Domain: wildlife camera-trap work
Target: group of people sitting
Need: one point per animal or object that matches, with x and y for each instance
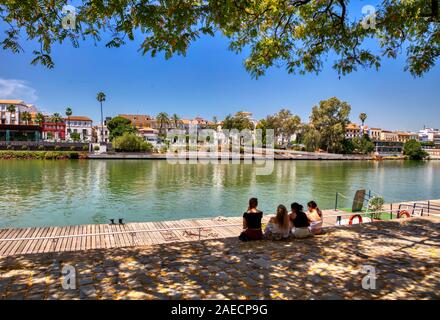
(284, 224)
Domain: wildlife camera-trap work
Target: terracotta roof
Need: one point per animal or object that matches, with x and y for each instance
(138, 117)
(79, 118)
(352, 126)
(147, 129)
(12, 102)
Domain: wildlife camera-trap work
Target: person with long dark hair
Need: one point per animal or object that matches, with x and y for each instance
(279, 226)
(252, 222)
(300, 221)
(314, 214)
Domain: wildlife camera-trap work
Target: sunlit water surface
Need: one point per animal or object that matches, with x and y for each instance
(55, 193)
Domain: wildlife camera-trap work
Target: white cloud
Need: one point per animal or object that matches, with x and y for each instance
(17, 89)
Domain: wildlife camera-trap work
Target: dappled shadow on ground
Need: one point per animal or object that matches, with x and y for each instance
(406, 255)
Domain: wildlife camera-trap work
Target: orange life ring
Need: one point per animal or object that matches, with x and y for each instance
(403, 212)
(350, 222)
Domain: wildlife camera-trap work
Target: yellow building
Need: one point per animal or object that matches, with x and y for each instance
(375, 134)
(406, 136)
(389, 136)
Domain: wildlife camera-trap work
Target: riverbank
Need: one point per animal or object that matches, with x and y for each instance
(196, 156)
(40, 155)
(405, 253)
(204, 156)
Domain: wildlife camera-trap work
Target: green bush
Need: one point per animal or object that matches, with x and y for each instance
(413, 150)
(130, 142)
(73, 155)
(96, 148)
(49, 155)
(146, 147)
(24, 147)
(40, 147)
(85, 147)
(57, 148)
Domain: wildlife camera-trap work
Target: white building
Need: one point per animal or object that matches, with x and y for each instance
(430, 135)
(81, 125)
(102, 134)
(11, 118)
(150, 135)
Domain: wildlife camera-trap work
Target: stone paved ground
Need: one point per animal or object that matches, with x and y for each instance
(406, 255)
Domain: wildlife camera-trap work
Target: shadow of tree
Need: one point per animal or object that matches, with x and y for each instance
(405, 253)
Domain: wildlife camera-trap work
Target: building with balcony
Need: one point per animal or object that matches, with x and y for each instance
(53, 131)
(375, 133)
(101, 134)
(15, 117)
(434, 153)
(406, 136)
(430, 135)
(81, 125)
(389, 136)
(149, 135)
(13, 126)
(353, 130)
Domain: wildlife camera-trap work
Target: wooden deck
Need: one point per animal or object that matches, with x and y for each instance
(16, 241)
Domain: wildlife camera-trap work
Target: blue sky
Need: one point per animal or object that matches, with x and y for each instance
(211, 80)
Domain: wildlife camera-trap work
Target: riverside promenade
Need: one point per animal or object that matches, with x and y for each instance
(16, 241)
(404, 252)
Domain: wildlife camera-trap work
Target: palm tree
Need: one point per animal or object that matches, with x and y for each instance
(363, 117)
(26, 117)
(177, 121)
(56, 118)
(101, 98)
(163, 119)
(11, 108)
(69, 112)
(39, 118)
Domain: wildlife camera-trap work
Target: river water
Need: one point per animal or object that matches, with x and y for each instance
(57, 193)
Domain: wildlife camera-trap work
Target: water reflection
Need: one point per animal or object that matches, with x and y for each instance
(37, 193)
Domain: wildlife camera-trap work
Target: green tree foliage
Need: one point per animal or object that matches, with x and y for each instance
(118, 126)
(164, 122)
(176, 120)
(311, 138)
(39, 118)
(26, 117)
(284, 124)
(69, 112)
(413, 150)
(130, 142)
(363, 117)
(299, 34)
(75, 136)
(56, 118)
(330, 119)
(11, 108)
(362, 145)
(239, 121)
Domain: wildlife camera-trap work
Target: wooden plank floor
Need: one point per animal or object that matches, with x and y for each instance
(59, 239)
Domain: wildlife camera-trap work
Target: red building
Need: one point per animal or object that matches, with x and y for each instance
(53, 131)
